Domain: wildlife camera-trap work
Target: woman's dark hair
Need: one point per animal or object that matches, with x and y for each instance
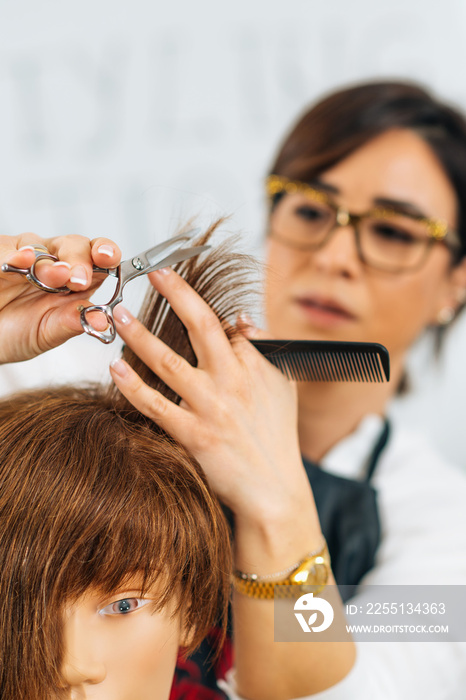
(346, 120)
(93, 493)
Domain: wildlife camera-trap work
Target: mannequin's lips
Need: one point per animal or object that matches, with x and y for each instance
(324, 310)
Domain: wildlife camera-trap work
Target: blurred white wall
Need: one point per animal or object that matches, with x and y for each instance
(126, 118)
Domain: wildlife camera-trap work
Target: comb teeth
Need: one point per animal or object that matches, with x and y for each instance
(320, 361)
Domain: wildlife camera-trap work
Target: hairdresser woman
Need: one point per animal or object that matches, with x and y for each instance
(366, 242)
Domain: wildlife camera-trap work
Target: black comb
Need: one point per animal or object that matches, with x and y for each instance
(327, 361)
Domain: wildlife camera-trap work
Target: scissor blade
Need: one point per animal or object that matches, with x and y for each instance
(158, 252)
(179, 256)
(154, 258)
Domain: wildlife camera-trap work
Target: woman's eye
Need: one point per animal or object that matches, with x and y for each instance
(124, 606)
(310, 213)
(390, 233)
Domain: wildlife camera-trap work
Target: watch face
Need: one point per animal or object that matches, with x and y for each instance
(313, 572)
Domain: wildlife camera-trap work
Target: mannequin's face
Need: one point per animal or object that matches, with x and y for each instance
(329, 294)
(117, 648)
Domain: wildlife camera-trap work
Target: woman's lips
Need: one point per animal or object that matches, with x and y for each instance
(324, 310)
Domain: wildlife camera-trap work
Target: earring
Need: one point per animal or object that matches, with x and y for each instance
(445, 316)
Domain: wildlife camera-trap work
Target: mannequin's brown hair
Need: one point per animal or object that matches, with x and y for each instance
(92, 494)
(224, 279)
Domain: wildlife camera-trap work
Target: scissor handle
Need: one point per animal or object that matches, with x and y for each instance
(104, 336)
(33, 279)
(30, 272)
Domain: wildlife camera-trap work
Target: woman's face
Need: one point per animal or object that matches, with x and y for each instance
(117, 648)
(329, 294)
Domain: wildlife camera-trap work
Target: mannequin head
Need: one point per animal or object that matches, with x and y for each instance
(114, 550)
(95, 509)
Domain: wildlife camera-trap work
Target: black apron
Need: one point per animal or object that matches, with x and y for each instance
(349, 518)
(350, 523)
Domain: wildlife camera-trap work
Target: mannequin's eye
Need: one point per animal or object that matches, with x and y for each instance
(124, 606)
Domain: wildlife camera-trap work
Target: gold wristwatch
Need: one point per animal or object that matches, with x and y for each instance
(311, 574)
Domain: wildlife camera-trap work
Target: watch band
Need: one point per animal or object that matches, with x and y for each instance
(310, 575)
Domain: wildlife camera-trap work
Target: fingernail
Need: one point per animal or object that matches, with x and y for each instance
(163, 270)
(79, 275)
(78, 280)
(61, 263)
(119, 367)
(26, 247)
(244, 319)
(122, 315)
(106, 250)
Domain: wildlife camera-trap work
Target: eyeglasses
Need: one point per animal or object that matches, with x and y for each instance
(385, 238)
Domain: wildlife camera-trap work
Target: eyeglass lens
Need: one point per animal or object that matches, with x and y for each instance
(388, 241)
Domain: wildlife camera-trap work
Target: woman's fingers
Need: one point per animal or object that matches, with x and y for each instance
(246, 327)
(73, 267)
(64, 322)
(32, 321)
(76, 257)
(175, 420)
(80, 254)
(210, 344)
(173, 369)
(16, 251)
(105, 253)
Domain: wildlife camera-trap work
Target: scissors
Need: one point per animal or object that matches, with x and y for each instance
(165, 254)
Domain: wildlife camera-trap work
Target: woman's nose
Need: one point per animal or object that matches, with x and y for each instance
(339, 253)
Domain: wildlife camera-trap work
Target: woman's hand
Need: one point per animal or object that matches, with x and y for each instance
(238, 417)
(238, 414)
(33, 321)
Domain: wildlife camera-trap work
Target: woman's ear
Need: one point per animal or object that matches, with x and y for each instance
(455, 295)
